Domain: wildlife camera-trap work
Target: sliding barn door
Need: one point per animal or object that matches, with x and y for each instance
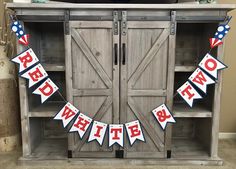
(146, 49)
(93, 80)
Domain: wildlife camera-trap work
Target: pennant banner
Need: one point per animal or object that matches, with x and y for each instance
(116, 134)
(211, 65)
(66, 114)
(188, 93)
(163, 116)
(134, 131)
(18, 29)
(201, 79)
(35, 75)
(81, 124)
(26, 59)
(46, 90)
(98, 132)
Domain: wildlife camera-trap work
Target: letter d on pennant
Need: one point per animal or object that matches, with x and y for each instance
(46, 90)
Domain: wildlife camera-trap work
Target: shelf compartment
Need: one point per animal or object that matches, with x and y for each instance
(46, 110)
(50, 149)
(191, 138)
(188, 148)
(198, 111)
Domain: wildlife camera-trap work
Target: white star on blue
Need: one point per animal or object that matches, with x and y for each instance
(222, 31)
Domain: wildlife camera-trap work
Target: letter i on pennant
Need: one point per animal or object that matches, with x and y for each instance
(163, 116)
(211, 65)
(201, 79)
(116, 134)
(134, 131)
(81, 124)
(188, 93)
(46, 90)
(66, 114)
(35, 75)
(98, 132)
(25, 59)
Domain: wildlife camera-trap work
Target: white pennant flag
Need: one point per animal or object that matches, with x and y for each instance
(116, 134)
(98, 132)
(201, 79)
(46, 90)
(35, 75)
(134, 131)
(81, 124)
(211, 65)
(66, 114)
(26, 59)
(188, 93)
(163, 116)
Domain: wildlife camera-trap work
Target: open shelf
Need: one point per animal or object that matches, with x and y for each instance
(191, 138)
(49, 109)
(50, 149)
(188, 148)
(198, 111)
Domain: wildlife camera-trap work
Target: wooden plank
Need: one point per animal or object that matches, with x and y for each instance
(96, 65)
(91, 24)
(148, 58)
(185, 68)
(148, 24)
(216, 107)
(198, 111)
(170, 88)
(145, 155)
(92, 92)
(69, 94)
(153, 135)
(51, 5)
(53, 67)
(160, 93)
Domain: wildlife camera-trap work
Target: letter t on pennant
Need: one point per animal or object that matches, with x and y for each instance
(116, 134)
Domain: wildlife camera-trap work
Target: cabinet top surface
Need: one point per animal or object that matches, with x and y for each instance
(61, 5)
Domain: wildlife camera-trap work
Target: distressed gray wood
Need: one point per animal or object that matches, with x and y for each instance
(146, 92)
(170, 87)
(216, 107)
(54, 5)
(94, 81)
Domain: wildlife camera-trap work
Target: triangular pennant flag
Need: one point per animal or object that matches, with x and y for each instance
(46, 90)
(35, 75)
(163, 116)
(24, 40)
(20, 33)
(81, 124)
(222, 30)
(201, 79)
(26, 59)
(215, 42)
(188, 93)
(98, 132)
(134, 131)
(66, 114)
(211, 65)
(116, 134)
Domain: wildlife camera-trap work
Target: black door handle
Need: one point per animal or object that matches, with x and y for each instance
(116, 53)
(123, 53)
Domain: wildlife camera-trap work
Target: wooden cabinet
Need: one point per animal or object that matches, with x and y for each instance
(116, 66)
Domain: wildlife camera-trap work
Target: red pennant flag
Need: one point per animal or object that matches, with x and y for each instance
(215, 42)
(24, 40)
